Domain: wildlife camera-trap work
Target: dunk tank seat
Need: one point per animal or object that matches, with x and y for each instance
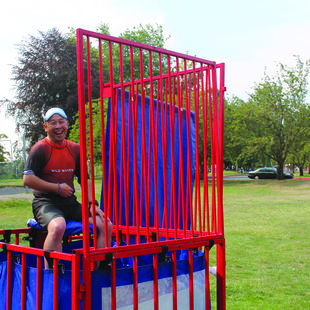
(38, 233)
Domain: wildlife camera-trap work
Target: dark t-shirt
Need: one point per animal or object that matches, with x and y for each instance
(54, 164)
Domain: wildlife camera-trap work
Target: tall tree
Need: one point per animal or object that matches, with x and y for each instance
(45, 76)
(281, 111)
(3, 153)
(144, 34)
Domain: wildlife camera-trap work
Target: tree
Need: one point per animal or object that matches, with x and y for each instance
(3, 153)
(45, 76)
(144, 34)
(281, 112)
(300, 153)
(237, 120)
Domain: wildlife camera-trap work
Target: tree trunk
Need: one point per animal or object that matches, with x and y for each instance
(280, 175)
(301, 171)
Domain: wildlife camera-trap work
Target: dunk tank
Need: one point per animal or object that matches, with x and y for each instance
(152, 121)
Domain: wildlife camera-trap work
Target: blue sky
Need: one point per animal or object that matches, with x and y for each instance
(249, 37)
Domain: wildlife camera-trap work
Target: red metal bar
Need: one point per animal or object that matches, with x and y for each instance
(16, 231)
(125, 163)
(39, 283)
(155, 281)
(221, 276)
(207, 282)
(181, 171)
(83, 158)
(218, 156)
(198, 108)
(111, 147)
(23, 282)
(172, 138)
(55, 284)
(191, 278)
(206, 214)
(104, 185)
(113, 285)
(17, 238)
(75, 278)
(123, 149)
(156, 222)
(9, 281)
(163, 126)
(152, 139)
(135, 284)
(213, 164)
(143, 46)
(130, 103)
(91, 141)
(135, 117)
(174, 282)
(189, 176)
(221, 149)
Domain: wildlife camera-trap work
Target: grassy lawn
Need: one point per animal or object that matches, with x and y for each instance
(11, 182)
(267, 242)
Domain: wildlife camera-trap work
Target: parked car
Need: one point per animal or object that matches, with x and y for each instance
(268, 173)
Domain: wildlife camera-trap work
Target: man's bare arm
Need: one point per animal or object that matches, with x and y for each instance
(40, 185)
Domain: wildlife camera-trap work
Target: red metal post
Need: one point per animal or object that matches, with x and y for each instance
(83, 158)
(174, 281)
(39, 283)
(75, 278)
(155, 281)
(9, 281)
(23, 282)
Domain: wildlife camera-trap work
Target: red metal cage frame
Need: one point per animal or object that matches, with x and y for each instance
(201, 79)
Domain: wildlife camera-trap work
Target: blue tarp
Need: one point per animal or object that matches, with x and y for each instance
(170, 162)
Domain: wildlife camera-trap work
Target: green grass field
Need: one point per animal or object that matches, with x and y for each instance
(267, 227)
(267, 244)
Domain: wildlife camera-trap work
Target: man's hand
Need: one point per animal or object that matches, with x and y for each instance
(65, 190)
(99, 212)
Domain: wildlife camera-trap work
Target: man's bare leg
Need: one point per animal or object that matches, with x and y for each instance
(55, 232)
(101, 234)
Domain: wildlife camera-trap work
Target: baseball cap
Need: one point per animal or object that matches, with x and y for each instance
(53, 111)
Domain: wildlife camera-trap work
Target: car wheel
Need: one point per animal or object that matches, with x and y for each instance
(256, 177)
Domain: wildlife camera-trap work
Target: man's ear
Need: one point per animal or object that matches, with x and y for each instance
(44, 126)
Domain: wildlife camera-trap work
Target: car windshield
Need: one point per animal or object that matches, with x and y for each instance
(265, 170)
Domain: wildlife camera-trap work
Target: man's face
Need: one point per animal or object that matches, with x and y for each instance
(56, 128)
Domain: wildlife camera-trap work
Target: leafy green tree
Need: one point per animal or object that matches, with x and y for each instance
(282, 113)
(45, 76)
(3, 153)
(144, 34)
(300, 153)
(235, 132)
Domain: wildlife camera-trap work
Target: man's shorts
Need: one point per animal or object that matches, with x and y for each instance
(46, 210)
